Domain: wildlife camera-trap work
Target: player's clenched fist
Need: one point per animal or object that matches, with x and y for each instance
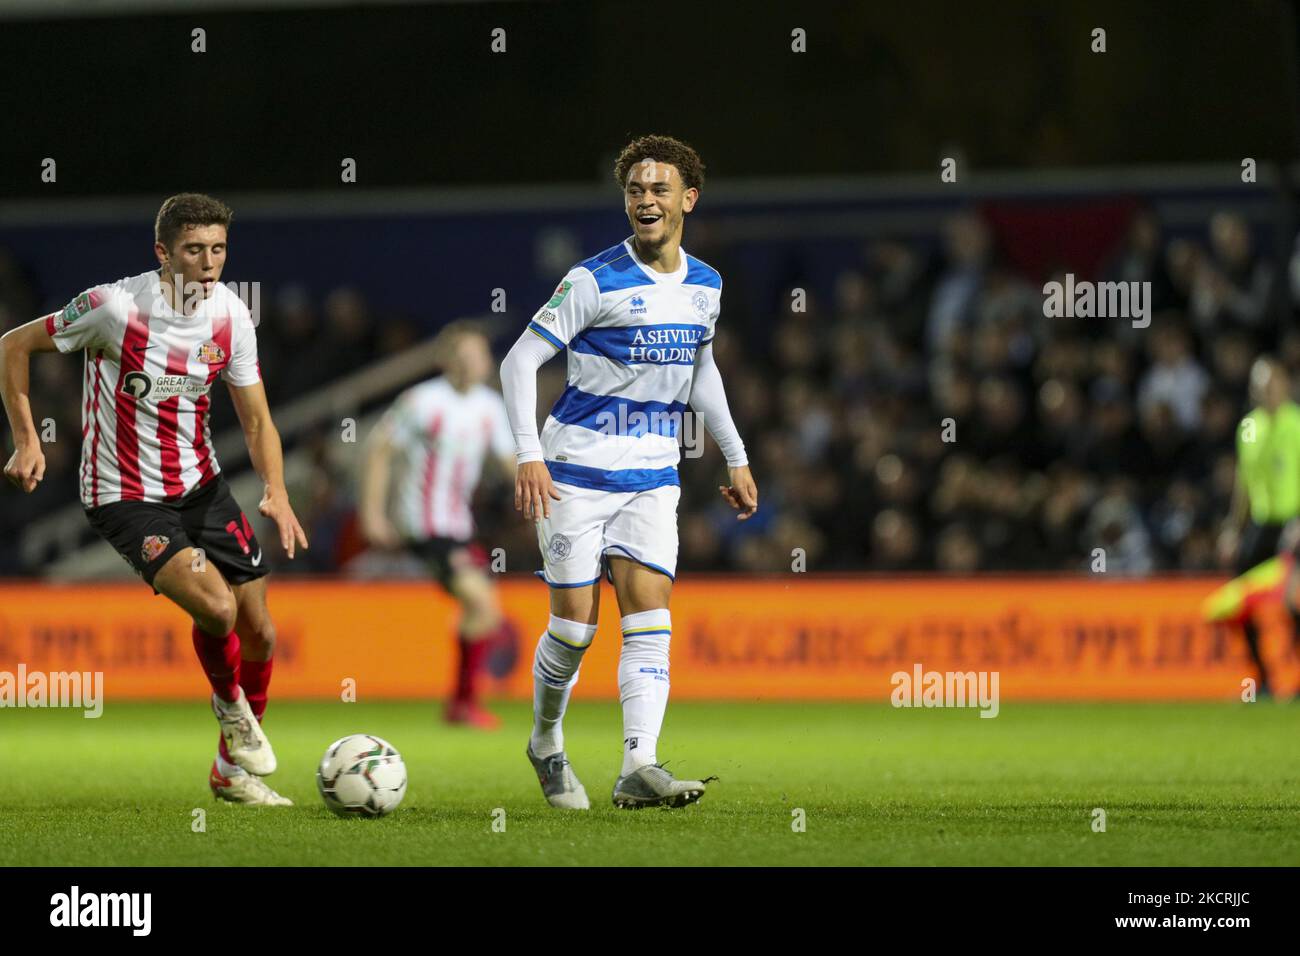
(534, 490)
(26, 467)
(742, 494)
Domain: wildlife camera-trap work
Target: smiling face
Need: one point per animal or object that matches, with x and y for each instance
(656, 203)
(198, 255)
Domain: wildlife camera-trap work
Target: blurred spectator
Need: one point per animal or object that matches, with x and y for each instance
(953, 306)
(1140, 259)
(1115, 527)
(1232, 286)
(1175, 378)
(919, 413)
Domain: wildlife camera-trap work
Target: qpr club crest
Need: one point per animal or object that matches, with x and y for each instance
(210, 353)
(560, 547)
(153, 546)
(700, 302)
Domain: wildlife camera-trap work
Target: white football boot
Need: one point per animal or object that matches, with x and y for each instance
(244, 738)
(653, 786)
(244, 788)
(560, 785)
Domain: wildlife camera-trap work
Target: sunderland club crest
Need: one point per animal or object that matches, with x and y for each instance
(153, 546)
(210, 353)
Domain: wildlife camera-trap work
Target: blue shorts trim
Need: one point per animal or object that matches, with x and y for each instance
(556, 584)
(629, 554)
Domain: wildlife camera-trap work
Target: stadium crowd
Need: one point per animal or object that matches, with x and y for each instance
(922, 414)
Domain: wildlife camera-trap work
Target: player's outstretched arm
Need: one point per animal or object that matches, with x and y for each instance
(534, 489)
(372, 509)
(267, 455)
(709, 399)
(26, 467)
(1234, 523)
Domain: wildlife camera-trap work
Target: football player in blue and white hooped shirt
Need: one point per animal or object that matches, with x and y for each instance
(601, 481)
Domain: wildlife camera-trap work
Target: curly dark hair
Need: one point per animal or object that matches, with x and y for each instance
(183, 210)
(662, 149)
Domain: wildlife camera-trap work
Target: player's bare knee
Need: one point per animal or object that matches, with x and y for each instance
(260, 637)
(216, 612)
(574, 604)
(642, 591)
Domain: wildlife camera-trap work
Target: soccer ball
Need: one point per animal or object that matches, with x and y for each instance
(361, 775)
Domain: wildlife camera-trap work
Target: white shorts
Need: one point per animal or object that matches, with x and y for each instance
(586, 524)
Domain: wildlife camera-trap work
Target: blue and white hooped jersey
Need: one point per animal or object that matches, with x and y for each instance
(632, 335)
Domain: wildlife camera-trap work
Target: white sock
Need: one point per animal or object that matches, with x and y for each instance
(226, 768)
(555, 671)
(643, 684)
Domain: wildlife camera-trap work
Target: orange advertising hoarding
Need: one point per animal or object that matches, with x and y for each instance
(796, 636)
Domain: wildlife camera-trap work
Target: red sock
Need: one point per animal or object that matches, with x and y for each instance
(472, 654)
(220, 659)
(255, 678)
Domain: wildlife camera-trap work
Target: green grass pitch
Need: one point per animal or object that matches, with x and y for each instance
(1181, 784)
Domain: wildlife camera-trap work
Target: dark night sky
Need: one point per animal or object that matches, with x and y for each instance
(417, 98)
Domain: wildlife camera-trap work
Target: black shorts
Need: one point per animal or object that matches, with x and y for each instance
(446, 556)
(1259, 542)
(148, 533)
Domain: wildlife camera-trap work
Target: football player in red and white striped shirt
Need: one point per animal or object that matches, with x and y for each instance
(154, 346)
(430, 448)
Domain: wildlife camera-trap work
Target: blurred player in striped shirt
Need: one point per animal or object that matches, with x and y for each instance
(423, 464)
(154, 346)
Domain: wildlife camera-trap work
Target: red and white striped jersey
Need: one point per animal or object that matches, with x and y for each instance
(148, 372)
(441, 437)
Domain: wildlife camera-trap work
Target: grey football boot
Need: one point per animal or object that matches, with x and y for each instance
(560, 786)
(653, 786)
